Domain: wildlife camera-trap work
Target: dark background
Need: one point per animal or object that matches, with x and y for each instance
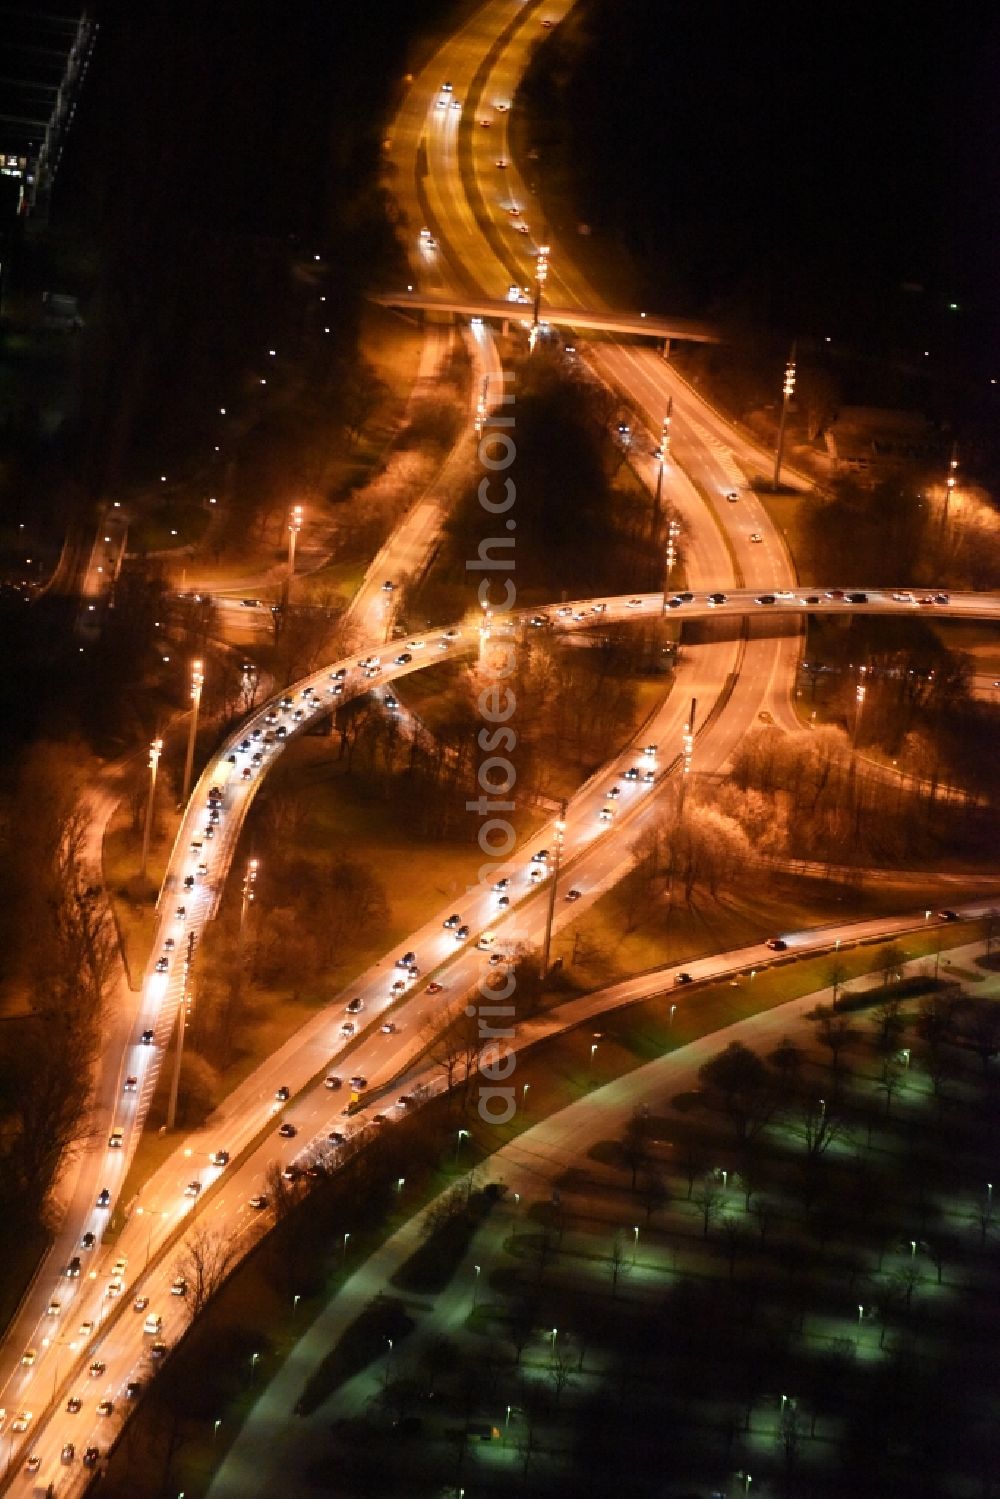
(825, 170)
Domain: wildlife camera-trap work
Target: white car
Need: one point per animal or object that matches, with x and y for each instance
(756, 537)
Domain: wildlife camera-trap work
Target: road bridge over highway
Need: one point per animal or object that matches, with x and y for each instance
(651, 325)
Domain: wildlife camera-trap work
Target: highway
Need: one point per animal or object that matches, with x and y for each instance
(445, 172)
(246, 1120)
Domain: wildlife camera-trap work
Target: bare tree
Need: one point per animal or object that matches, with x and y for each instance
(708, 1199)
(205, 1261)
(617, 1263)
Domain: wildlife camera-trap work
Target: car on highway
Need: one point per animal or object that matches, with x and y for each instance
(573, 894)
(133, 1389)
(776, 944)
(452, 921)
(54, 1308)
(716, 598)
(810, 598)
(72, 1270)
(140, 1303)
(434, 987)
(89, 1240)
(355, 1006)
(756, 538)
(116, 1138)
(947, 915)
(219, 1158)
(766, 598)
(503, 902)
(193, 1189)
(282, 1094)
(635, 603)
(68, 1453)
(348, 1028)
(179, 1286)
(103, 1197)
(257, 1202)
(358, 1082)
(162, 964)
(97, 1368)
(606, 814)
(147, 1038)
(21, 1421)
(74, 1405)
(131, 1083)
(288, 1131)
(332, 1082)
(857, 598)
(388, 1028)
(33, 1463)
(398, 987)
(91, 1455)
(158, 1350)
(462, 934)
(683, 978)
(407, 960)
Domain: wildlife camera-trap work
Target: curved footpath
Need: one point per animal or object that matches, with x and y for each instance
(272, 1451)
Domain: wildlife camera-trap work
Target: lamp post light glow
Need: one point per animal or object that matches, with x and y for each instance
(661, 454)
(673, 531)
(481, 406)
(294, 527)
(541, 276)
(859, 699)
(463, 1134)
(249, 881)
(949, 484)
(560, 833)
(197, 683)
(155, 750)
(344, 1255)
(485, 631)
(787, 388)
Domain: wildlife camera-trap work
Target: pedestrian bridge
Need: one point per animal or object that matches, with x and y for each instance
(637, 324)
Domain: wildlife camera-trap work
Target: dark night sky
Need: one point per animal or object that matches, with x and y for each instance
(812, 156)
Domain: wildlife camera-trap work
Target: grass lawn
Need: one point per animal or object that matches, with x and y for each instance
(175, 523)
(341, 817)
(596, 949)
(786, 512)
(981, 641)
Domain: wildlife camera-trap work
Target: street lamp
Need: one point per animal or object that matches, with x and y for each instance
(463, 1134)
(481, 406)
(344, 1255)
(294, 527)
(295, 1303)
(253, 1364)
(859, 698)
(635, 1246)
(687, 755)
(485, 631)
(560, 832)
(949, 484)
(197, 683)
(661, 454)
(786, 395)
(249, 881)
(541, 276)
(155, 750)
(475, 1285)
(215, 1429)
(673, 531)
